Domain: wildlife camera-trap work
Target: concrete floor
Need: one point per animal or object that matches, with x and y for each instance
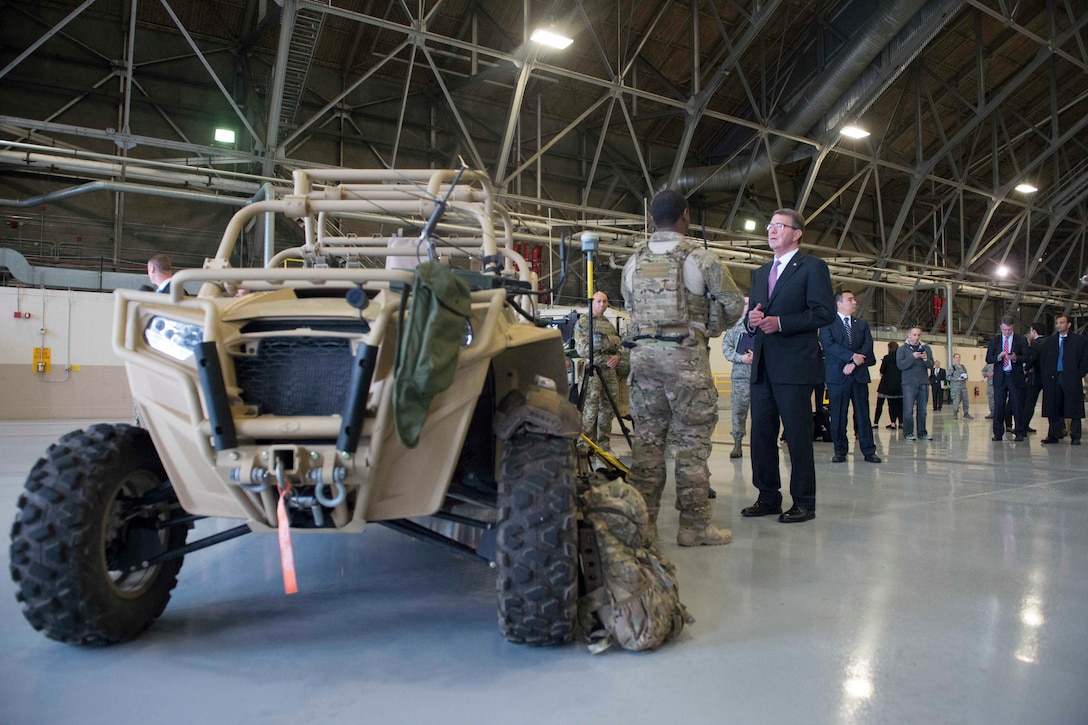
(947, 585)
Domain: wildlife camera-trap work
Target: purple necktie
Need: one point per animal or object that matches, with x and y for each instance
(772, 279)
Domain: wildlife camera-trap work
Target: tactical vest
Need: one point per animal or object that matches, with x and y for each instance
(663, 307)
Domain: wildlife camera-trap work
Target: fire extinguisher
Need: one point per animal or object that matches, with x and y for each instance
(976, 391)
(537, 263)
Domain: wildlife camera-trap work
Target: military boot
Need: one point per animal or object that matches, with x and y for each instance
(735, 453)
(708, 535)
(692, 533)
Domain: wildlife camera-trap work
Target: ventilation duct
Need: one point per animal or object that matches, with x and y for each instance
(57, 277)
(838, 93)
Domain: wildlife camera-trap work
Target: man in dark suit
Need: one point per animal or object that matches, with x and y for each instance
(1036, 337)
(938, 380)
(1063, 363)
(848, 353)
(1007, 353)
(790, 300)
(160, 270)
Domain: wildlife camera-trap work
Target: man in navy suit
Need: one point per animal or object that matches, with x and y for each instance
(160, 270)
(1063, 363)
(790, 300)
(848, 353)
(1007, 352)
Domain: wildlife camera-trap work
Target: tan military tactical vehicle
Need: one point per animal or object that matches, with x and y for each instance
(277, 408)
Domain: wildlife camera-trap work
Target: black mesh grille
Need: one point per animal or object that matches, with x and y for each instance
(296, 375)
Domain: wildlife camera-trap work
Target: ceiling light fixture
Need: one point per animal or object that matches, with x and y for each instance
(550, 38)
(224, 135)
(854, 132)
(749, 225)
(1026, 188)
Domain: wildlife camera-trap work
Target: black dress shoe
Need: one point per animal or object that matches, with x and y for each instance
(762, 508)
(872, 458)
(711, 493)
(1074, 442)
(796, 515)
(1018, 438)
(1048, 440)
(1029, 429)
(996, 438)
(838, 459)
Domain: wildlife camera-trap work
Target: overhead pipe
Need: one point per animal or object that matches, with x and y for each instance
(124, 186)
(199, 179)
(749, 259)
(185, 164)
(55, 277)
(828, 95)
(214, 154)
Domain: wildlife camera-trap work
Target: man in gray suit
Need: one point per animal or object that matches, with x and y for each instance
(915, 359)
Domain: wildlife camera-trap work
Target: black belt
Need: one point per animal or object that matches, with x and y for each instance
(663, 338)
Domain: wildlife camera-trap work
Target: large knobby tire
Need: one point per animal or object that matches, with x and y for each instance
(536, 547)
(91, 510)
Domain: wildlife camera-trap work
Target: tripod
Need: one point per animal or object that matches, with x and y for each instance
(589, 247)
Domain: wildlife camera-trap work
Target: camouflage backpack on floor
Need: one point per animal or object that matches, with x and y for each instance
(631, 597)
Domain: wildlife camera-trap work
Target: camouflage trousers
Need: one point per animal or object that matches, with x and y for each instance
(673, 393)
(597, 411)
(959, 397)
(990, 394)
(740, 398)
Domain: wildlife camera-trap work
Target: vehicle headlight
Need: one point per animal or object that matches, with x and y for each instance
(179, 340)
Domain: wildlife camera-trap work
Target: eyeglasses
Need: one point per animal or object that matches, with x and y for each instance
(779, 226)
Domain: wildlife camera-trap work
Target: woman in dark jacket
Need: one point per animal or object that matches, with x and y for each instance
(890, 388)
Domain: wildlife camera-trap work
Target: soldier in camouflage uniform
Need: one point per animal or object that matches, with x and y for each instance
(597, 411)
(737, 348)
(678, 296)
(958, 385)
(988, 373)
(623, 374)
